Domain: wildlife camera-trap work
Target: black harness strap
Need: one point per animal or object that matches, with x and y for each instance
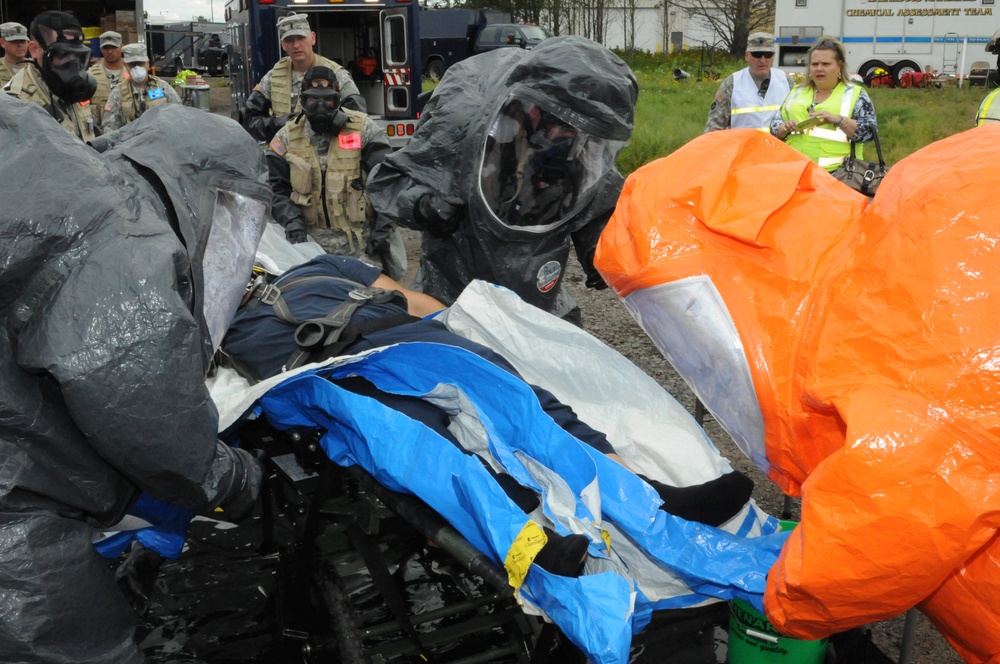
(321, 338)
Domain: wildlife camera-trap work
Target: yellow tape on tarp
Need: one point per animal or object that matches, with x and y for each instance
(522, 553)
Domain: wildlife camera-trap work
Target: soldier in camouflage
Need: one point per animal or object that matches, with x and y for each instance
(14, 41)
(318, 163)
(751, 96)
(137, 92)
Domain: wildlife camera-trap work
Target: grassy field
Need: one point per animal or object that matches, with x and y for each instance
(671, 113)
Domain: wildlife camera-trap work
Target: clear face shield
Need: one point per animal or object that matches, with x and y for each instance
(691, 325)
(538, 171)
(237, 226)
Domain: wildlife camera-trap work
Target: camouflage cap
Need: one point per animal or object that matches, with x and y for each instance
(760, 41)
(14, 32)
(294, 25)
(111, 38)
(134, 53)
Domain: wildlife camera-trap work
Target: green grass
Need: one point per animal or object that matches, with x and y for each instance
(671, 113)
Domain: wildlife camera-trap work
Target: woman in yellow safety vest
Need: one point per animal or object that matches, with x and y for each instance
(989, 110)
(821, 117)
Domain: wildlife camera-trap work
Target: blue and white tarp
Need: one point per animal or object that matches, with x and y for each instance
(655, 560)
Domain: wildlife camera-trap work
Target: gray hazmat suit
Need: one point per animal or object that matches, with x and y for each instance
(119, 273)
(590, 89)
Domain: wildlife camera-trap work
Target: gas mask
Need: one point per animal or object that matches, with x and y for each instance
(138, 74)
(321, 107)
(64, 70)
(538, 171)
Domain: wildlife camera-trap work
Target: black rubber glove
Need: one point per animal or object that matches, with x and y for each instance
(439, 215)
(136, 576)
(295, 235)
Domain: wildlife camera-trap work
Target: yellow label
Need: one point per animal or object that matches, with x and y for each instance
(606, 536)
(522, 553)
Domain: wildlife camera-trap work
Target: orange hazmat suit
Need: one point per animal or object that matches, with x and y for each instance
(852, 350)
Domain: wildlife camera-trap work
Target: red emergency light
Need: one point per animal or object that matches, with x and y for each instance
(266, 2)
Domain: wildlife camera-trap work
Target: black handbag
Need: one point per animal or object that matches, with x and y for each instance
(862, 176)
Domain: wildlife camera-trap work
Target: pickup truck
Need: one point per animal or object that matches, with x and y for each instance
(505, 35)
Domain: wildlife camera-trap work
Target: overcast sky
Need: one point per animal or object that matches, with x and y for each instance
(185, 10)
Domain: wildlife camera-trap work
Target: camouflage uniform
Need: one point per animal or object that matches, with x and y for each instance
(116, 116)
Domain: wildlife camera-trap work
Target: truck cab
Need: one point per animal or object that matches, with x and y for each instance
(507, 35)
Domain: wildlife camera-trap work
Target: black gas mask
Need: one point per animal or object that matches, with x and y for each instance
(321, 104)
(64, 65)
(64, 70)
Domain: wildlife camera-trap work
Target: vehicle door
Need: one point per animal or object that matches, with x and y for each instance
(396, 63)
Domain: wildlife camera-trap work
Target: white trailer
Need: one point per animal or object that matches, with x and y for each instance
(948, 37)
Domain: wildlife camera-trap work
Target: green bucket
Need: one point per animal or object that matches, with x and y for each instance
(754, 640)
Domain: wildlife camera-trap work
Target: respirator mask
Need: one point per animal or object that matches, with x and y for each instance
(64, 70)
(322, 108)
(138, 74)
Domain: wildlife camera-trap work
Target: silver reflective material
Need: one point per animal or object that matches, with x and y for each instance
(690, 324)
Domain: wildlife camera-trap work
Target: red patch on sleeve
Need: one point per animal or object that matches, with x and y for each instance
(349, 141)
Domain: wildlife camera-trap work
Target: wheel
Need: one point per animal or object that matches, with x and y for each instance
(867, 69)
(903, 67)
(435, 70)
(344, 643)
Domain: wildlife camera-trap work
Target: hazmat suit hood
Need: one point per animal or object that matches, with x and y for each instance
(582, 83)
(214, 194)
(118, 270)
(870, 332)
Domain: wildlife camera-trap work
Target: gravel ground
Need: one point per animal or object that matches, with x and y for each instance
(607, 319)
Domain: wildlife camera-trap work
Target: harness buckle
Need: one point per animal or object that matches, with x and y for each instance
(268, 294)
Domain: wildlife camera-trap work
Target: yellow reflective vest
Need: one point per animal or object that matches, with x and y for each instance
(827, 147)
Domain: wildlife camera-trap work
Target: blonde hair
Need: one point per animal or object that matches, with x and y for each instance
(827, 44)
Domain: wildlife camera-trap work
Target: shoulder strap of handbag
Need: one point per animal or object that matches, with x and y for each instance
(878, 150)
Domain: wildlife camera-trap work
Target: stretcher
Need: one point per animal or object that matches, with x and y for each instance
(338, 507)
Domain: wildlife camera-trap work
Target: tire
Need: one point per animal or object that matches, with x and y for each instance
(348, 648)
(903, 67)
(868, 68)
(435, 70)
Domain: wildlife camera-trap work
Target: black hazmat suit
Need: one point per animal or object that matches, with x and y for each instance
(118, 270)
(577, 79)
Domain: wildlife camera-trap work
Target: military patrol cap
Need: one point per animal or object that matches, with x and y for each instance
(111, 38)
(760, 41)
(293, 25)
(134, 53)
(14, 32)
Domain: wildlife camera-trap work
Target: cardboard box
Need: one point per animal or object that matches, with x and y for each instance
(125, 21)
(108, 23)
(130, 37)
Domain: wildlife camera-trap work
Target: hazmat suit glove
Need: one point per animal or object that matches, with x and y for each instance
(136, 576)
(439, 215)
(295, 235)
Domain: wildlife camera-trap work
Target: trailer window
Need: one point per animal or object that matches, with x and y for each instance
(395, 40)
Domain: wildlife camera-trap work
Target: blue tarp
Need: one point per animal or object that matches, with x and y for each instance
(595, 611)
